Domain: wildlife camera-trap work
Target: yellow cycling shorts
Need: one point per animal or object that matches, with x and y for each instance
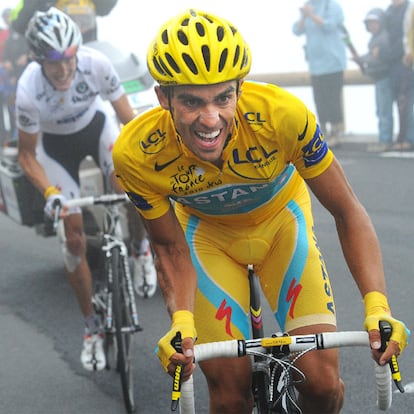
(285, 255)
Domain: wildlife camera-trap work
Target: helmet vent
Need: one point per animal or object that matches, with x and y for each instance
(206, 56)
(56, 30)
(200, 29)
(182, 37)
(165, 68)
(220, 33)
(223, 59)
(190, 63)
(245, 60)
(172, 62)
(164, 37)
(236, 55)
(158, 67)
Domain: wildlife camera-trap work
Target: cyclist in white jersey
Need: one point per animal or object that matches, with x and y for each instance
(62, 118)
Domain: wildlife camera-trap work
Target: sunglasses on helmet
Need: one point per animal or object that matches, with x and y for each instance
(54, 55)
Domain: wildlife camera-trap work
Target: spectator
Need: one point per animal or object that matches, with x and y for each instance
(377, 64)
(321, 22)
(402, 75)
(83, 12)
(4, 32)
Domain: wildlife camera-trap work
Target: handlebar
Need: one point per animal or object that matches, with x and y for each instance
(292, 344)
(105, 199)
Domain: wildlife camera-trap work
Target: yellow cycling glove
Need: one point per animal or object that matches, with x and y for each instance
(51, 190)
(183, 322)
(377, 309)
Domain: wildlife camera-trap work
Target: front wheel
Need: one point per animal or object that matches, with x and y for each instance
(123, 324)
(260, 388)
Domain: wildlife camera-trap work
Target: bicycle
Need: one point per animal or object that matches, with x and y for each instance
(274, 374)
(113, 296)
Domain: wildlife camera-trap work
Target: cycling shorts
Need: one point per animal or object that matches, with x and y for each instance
(286, 257)
(61, 155)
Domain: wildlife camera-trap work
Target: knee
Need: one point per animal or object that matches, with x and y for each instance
(73, 249)
(223, 401)
(324, 393)
(229, 385)
(76, 243)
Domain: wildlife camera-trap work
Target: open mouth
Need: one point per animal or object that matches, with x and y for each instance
(208, 137)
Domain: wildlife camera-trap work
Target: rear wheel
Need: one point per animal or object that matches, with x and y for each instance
(123, 323)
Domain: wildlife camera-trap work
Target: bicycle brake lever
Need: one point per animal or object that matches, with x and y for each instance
(176, 391)
(385, 332)
(57, 205)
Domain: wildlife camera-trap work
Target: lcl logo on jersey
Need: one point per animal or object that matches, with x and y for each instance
(258, 157)
(154, 142)
(255, 120)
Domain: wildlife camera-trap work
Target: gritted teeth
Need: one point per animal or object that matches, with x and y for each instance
(208, 135)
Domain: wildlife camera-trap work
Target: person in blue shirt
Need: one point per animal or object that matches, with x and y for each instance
(321, 22)
(377, 64)
(402, 75)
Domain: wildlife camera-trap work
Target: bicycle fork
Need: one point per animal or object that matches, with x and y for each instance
(108, 248)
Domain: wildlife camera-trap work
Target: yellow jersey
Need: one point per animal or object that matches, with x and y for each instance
(275, 144)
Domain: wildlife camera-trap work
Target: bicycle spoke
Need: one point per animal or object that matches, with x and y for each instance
(122, 318)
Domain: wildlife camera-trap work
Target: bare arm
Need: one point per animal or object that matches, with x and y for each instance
(307, 11)
(178, 282)
(176, 273)
(363, 256)
(27, 159)
(356, 233)
(123, 109)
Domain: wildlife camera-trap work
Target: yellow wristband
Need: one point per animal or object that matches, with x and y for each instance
(376, 302)
(50, 191)
(185, 321)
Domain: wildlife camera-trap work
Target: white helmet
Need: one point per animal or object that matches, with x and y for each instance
(53, 35)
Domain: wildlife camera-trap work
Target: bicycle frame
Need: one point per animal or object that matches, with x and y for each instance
(113, 298)
(112, 239)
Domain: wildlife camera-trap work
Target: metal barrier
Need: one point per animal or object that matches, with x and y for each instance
(293, 79)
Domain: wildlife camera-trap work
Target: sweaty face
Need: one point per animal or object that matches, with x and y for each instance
(203, 116)
(60, 73)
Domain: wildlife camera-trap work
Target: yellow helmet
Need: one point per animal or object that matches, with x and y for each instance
(198, 48)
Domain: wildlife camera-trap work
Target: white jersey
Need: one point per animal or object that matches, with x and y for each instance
(42, 108)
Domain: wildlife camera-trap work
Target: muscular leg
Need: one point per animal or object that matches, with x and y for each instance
(135, 224)
(229, 385)
(323, 391)
(80, 278)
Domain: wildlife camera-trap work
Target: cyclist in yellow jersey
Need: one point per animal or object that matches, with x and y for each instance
(235, 156)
